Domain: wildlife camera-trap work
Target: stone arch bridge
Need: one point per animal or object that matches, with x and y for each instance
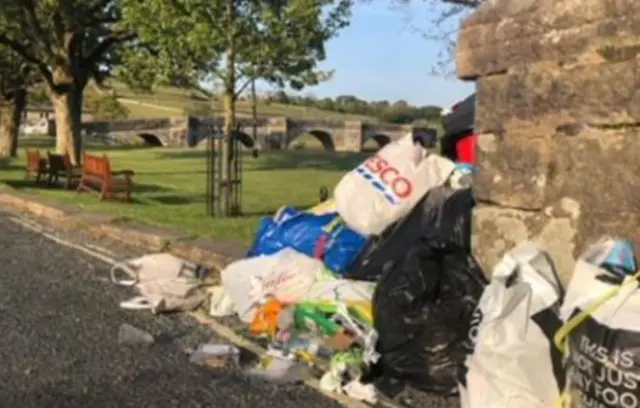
(273, 132)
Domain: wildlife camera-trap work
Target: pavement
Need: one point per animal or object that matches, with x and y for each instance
(59, 348)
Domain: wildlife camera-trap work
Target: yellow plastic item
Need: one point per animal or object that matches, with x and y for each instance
(364, 308)
(324, 207)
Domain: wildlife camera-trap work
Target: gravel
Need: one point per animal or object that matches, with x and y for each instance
(59, 348)
(58, 331)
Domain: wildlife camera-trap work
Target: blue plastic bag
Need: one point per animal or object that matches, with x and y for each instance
(613, 254)
(304, 231)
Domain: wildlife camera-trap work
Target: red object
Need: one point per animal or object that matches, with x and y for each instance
(321, 246)
(466, 149)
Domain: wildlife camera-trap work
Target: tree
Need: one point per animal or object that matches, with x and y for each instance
(67, 42)
(430, 112)
(108, 107)
(15, 76)
(281, 97)
(233, 42)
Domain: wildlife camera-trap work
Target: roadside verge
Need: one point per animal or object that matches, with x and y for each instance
(212, 253)
(216, 255)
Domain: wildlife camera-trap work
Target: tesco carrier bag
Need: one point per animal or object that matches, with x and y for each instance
(387, 186)
(513, 362)
(286, 275)
(601, 336)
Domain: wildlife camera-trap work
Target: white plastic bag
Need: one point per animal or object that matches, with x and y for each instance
(165, 282)
(385, 187)
(358, 294)
(514, 363)
(601, 336)
(341, 290)
(287, 275)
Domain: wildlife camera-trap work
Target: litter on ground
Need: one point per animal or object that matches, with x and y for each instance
(378, 285)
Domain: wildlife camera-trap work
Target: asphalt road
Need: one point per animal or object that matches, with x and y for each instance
(58, 340)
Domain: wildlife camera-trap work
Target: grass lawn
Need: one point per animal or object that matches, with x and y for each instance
(170, 186)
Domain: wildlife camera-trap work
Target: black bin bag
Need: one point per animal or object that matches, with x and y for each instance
(384, 252)
(422, 307)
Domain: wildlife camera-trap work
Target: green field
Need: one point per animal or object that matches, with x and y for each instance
(170, 186)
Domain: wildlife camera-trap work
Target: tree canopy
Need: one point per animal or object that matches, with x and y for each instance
(66, 42)
(194, 40)
(233, 42)
(190, 42)
(64, 39)
(394, 112)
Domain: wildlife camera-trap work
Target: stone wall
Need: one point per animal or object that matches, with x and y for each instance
(558, 118)
(274, 132)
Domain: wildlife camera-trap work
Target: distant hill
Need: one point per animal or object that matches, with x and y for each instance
(168, 101)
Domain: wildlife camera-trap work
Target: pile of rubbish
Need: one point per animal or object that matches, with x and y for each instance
(377, 286)
(376, 283)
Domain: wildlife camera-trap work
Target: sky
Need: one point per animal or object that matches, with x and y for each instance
(381, 56)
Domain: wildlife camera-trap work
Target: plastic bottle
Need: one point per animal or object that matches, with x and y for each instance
(216, 355)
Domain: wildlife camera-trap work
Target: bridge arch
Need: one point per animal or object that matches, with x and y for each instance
(376, 141)
(325, 138)
(151, 139)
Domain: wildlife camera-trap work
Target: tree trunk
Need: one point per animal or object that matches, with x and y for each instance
(227, 153)
(254, 113)
(11, 117)
(68, 115)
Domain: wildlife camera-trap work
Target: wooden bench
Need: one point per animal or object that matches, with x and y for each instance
(97, 176)
(36, 165)
(60, 166)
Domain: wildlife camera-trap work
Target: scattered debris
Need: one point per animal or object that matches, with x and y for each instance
(216, 355)
(129, 335)
(165, 282)
(220, 304)
(278, 367)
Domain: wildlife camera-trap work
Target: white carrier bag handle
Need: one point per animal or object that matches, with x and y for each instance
(137, 303)
(118, 275)
(124, 269)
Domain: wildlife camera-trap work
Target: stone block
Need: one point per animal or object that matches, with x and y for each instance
(497, 46)
(513, 171)
(13, 200)
(599, 168)
(593, 191)
(214, 254)
(60, 214)
(50, 210)
(91, 219)
(555, 13)
(604, 93)
(564, 230)
(137, 234)
(557, 117)
(497, 230)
